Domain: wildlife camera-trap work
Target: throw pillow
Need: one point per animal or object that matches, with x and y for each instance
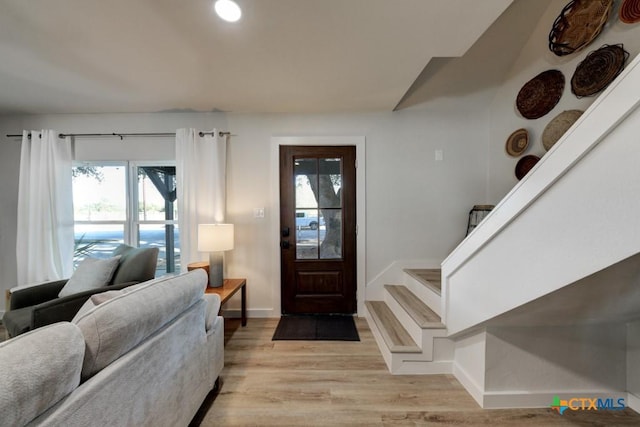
(86, 307)
(92, 273)
(94, 301)
(136, 265)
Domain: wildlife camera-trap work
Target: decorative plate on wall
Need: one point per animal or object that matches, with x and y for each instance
(579, 23)
(598, 69)
(525, 164)
(558, 126)
(630, 11)
(517, 142)
(540, 94)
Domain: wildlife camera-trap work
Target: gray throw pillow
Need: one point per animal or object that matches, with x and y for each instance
(92, 273)
(96, 300)
(136, 265)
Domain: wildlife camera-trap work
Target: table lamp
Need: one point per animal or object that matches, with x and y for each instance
(215, 239)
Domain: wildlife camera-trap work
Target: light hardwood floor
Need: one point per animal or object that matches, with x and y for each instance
(332, 383)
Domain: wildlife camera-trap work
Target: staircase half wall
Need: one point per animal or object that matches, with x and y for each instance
(577, 212)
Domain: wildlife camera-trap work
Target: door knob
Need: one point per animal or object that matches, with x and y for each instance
(284, 244)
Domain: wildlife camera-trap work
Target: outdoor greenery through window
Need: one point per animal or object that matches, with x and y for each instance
(126, 202)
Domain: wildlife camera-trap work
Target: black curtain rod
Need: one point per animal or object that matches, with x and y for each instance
(122, 135)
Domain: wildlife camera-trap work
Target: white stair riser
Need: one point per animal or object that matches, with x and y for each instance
(422, 337)
(424, 293)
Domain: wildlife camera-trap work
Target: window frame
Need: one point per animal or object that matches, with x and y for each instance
(132, 222)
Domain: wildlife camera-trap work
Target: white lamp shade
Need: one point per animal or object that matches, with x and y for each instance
(215, 237)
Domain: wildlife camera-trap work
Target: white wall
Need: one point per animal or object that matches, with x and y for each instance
(9, 172)
(534, 58)
(556, 359)
(416, 207)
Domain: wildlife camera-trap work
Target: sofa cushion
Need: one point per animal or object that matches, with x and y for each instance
(136, 265)
(116, 326)
(97, 299)
(92, 273)
(39, 368)
(88, 305)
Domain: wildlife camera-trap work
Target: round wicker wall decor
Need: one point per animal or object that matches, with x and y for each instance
(525, 164)
(517, 142)
(539, 95)
(598, 69)
(630, 11)
(579, 23)
(558, 126)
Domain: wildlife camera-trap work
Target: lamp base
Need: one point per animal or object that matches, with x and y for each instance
(215, 269)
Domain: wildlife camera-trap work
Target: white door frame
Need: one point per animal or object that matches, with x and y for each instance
(359, 143)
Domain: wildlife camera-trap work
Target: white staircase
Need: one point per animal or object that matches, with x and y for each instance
(407, 325)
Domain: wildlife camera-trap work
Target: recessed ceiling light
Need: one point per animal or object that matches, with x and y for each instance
(228, 10)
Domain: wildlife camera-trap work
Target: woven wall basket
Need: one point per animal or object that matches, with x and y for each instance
(539, 95)
(579, 23)
(598, 69)
(558, 126)
(525, 164)
(630, 11)
(517, 142)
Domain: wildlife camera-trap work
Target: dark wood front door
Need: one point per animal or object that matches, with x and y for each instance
(318, 229)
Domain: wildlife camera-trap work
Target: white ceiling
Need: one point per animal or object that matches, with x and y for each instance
(89, 56)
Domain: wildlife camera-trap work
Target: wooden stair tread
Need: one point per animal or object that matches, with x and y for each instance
(430, 277)
(419, 311)
(395, 336)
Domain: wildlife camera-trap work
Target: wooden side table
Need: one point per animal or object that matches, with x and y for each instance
(227, 290)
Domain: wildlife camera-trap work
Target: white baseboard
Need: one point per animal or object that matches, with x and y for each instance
(524, 399)
(234, 313)
(468, 383)
(519, 399)
(437, 367)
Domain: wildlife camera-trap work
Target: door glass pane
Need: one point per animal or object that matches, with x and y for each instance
(318, 202)
(330, 183)
(330, 234)
(307, 221)
(306, 176)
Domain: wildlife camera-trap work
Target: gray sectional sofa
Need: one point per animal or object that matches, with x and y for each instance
(146, 355)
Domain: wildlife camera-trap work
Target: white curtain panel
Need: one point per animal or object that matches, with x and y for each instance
(45, 242)
(201, 184)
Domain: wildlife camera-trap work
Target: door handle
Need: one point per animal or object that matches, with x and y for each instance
(285, 232)
(284, 244)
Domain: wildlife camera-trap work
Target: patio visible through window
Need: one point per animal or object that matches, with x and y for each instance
(128, 203)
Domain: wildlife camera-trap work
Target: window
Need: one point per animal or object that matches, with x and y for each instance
(126, 202)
